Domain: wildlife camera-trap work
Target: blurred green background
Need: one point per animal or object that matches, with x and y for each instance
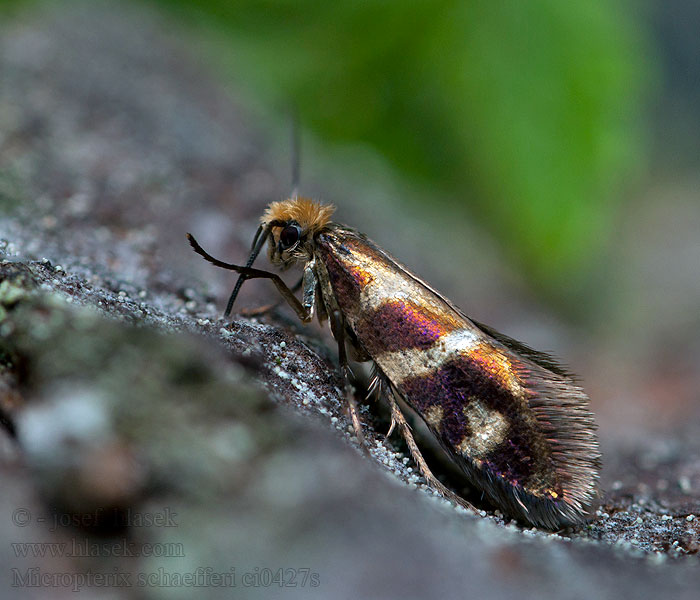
(547, 124)
(527, 115)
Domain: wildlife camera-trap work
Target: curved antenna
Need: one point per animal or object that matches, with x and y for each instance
(261, 236)
(259, 240)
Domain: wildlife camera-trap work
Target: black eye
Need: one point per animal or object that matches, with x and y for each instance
(290, 235)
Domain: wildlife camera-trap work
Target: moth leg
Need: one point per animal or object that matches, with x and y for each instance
(309, 283)
(266, 308)
(287, 294)
(376, 388)
(260, 310)
(391, 428)
(321, 311)
(250, 273)
(397, 418)
(338, 330)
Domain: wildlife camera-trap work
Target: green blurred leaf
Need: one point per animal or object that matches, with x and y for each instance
(529, 111)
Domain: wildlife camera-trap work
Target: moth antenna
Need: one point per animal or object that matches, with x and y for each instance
(296, 153)
(261, 236)
(208, 257)
(255, 239)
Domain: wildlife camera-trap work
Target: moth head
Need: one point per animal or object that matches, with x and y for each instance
(289, 228)
(292, 225)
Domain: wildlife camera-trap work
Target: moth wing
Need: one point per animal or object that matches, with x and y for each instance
(560, 408)
(518, 427)
(543, 359)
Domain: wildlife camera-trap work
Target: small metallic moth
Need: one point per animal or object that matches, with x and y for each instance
(513, 419)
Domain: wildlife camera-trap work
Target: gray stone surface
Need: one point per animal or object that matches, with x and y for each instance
(131, 398)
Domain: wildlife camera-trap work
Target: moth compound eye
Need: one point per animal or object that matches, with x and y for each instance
(289, 236)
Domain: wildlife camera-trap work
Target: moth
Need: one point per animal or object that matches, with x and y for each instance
(513, 419)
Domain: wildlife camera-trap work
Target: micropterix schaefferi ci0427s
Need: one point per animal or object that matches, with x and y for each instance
(513, 419)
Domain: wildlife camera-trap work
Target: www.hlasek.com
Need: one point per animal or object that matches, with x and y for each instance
(86, 547)
(201, 577)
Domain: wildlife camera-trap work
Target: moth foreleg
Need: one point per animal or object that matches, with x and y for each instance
(338, 330)
(309, 283)
(266, 308)
(303, 314)
(398, 419)
(250, 273)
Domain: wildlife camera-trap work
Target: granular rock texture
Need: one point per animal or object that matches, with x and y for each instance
(150, 446)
